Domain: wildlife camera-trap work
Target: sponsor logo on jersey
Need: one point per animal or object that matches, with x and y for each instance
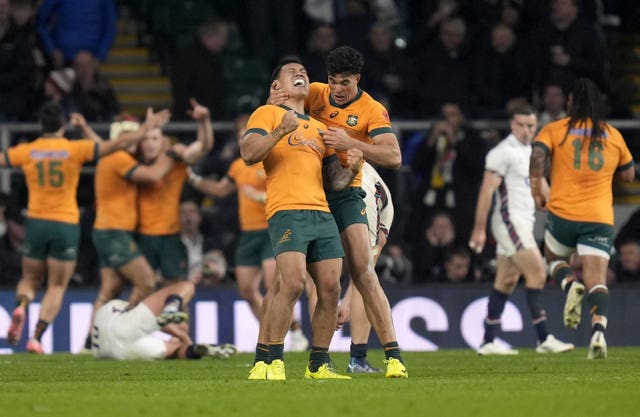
(296, 139)
(334, 114)
(318, 111)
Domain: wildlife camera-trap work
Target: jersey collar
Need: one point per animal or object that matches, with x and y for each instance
(300, 115)
(345, 105)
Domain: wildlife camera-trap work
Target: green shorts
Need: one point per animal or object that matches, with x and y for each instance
(166, 253)
(253, 247)
(115, 247)
(348, 207)
(571, 233)
(48, 239)
(311, 232)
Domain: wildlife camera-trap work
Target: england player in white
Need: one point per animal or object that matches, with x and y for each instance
(121, 332)
(506, 183)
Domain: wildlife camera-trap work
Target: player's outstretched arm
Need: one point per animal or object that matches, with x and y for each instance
(336, 177)
(80, 122)
(490, 182)
(221, 188)
(127, 139)
(198, 149)
(255, 147)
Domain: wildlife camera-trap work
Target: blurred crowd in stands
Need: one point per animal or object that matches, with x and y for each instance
(447, 61)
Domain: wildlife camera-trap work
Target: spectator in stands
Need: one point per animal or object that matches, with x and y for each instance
(424, 19)
(198, 71)
(16, 67)
(570, 48)
(92, 94)
(443, 71)
(322, 40)
(353, 21)
(386, 70)
(24, 15)
(500, 73)
(57, 88)
(450, 163)
(627, 265)
(70, 26)
(457, 265)
(196, 244)
(394, 266)
(272, 29)
(11, 242)
(428, 254)
(554, 104)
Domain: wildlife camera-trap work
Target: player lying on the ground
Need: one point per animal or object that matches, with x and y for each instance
(120, 332)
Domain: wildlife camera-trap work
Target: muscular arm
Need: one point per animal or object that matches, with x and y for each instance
(3, 160)
(626, 175)
(221, 188)
(203, 145)
(152, 173)
(536, 169)
(490, 182)
(385, 150)
(335, 176)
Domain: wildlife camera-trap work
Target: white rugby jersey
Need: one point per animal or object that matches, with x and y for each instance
(378, 202)
(512, 200)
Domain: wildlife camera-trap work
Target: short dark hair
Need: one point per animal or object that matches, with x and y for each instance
(344, 60)
(291, 59)
(52, 117)
(524, 109)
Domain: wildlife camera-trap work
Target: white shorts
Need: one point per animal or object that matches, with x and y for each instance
(512, 237)
(126, 334)
(379, 221)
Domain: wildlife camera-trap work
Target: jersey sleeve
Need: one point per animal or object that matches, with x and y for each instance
(497, 161)
(544, 139)
(379, 122)
(87, 150)
(626, 159)
(125, 164)
(17, 156)
(262, 121)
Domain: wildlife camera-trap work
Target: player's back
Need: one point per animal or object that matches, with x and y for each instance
(116, 196)
(251, 213)
(104, 344)
(52, 171)
(582, 170)
(159, 203)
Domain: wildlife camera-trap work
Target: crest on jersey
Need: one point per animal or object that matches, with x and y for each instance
(352, 120)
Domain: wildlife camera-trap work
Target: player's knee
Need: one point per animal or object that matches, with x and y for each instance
(292, 286)
(248, 293)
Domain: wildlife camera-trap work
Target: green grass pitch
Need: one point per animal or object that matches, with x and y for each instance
(444, 383)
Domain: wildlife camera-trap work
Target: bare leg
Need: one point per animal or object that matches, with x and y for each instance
(355, 241)
(292, 266)
(139, 273)
(248, 279)
(156, 301)
(326, 275)
(59, 275)
(33, 272)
